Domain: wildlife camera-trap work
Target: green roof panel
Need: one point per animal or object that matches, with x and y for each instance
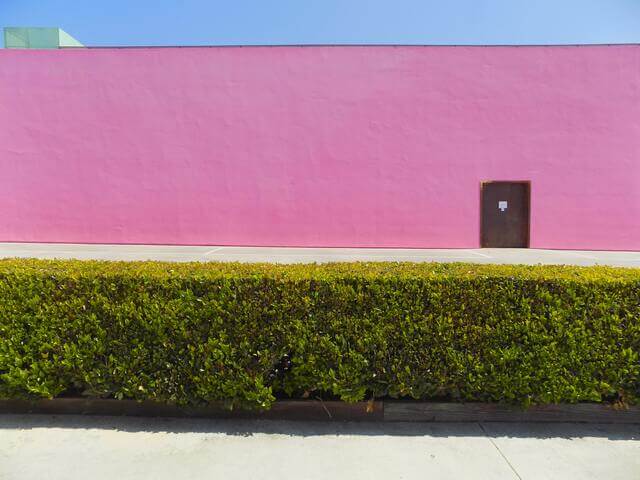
(38, 38)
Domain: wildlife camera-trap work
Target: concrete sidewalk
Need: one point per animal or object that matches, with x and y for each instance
(309, 255)
(45, 447)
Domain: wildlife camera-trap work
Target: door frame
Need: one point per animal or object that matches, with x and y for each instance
(527, 203)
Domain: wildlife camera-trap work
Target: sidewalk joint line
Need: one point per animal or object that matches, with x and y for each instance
(582, 255)
(480, 254)
(214, 250)
(499, 451)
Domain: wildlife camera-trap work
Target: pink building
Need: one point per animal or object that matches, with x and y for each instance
(322, 146)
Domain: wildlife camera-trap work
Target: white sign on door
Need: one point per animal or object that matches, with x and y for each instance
(502, 205)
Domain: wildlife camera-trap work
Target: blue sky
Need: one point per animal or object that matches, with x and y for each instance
(213, 22)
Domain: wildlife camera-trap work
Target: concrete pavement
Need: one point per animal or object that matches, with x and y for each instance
(309, 255)
(47, 447)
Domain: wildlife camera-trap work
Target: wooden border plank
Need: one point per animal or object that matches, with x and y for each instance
(316, 410)
(280, 410)
(401, 411)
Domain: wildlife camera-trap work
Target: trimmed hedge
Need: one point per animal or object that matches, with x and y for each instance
(194, 333)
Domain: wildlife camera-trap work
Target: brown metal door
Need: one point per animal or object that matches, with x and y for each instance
(505, 215)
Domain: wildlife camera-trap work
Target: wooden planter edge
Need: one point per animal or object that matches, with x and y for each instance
(318, 410)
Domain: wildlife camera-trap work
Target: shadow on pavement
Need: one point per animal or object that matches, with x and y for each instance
(306, 429)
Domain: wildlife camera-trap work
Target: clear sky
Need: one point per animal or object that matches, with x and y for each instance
(215, 22)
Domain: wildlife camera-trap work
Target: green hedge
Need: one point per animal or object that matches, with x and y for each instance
(194, 333)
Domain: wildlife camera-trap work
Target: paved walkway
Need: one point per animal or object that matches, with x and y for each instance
(308, 255)
(45, 447)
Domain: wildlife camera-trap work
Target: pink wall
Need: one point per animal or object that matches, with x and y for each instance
(318, 146)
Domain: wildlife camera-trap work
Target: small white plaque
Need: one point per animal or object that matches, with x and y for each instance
(502, 205)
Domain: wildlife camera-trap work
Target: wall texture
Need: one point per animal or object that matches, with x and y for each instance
(318, 146)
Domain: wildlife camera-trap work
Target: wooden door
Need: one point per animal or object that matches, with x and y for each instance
(505, 215)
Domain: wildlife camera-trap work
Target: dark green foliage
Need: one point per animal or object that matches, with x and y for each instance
(194, 333)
